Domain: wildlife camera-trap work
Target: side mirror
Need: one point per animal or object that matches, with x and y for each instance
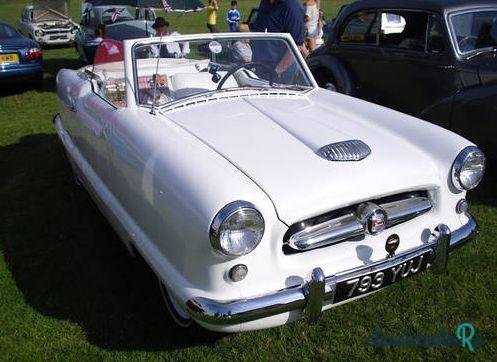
(330, 87)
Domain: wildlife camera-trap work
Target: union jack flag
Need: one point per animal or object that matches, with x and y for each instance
(117, 12)
(167, 7)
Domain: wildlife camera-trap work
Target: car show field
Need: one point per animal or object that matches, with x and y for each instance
(69, 289)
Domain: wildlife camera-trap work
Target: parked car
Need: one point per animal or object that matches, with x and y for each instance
(256, 196)
(20, 57)
(327, 24)
(119, 24)
(48, 22)
(435, 60)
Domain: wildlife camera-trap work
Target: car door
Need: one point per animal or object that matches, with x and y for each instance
(418, 76)
(98, 110)
(356, 46)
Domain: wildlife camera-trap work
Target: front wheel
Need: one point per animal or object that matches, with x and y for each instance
(179, 315)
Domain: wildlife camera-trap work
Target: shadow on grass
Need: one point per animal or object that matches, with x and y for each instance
(67, 261)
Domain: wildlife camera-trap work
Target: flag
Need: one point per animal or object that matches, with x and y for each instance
(117, 12)
(167, 7)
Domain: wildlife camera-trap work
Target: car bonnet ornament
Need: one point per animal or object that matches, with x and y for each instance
(372, 217)
(351, 150)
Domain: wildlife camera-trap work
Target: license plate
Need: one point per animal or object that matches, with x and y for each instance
(9, 58)
(370, 282)
(55, 37)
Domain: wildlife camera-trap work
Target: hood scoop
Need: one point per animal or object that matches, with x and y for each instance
(351, 150)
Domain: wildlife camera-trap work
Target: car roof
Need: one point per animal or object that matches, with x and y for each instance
(432, 5)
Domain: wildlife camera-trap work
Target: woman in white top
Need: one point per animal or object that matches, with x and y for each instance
(311, 23)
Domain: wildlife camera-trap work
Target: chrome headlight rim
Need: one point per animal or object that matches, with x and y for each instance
(458, 164)
(224, 214)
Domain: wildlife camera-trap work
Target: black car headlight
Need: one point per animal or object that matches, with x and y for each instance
(468, 168)
(237, 229)
(39, 32)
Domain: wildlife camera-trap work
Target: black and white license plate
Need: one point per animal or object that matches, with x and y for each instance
(370, 282)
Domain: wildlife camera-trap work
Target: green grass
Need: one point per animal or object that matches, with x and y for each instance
(68, 288)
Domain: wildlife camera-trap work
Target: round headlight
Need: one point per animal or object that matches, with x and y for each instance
(39, 32)
(237, 229)
(468, 168)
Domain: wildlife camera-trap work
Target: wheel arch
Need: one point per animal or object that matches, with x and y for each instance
(327, 67)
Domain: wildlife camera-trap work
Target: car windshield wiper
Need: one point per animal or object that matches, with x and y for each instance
(481, 52)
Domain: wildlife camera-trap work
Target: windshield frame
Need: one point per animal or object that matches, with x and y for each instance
(452, 32)
(209, 37)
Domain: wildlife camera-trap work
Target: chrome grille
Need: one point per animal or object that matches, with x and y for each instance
(346, 224)
(351, 150)
(57, 32)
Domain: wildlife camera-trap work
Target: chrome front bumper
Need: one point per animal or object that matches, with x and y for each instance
(320, 290)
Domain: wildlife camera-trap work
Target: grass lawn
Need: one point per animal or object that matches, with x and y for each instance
(69, 289)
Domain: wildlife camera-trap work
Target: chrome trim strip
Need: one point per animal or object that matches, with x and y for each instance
(304, 297)
(330, 232)
(407, 209)
(350, 225)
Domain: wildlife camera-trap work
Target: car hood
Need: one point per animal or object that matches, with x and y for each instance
(274, 140)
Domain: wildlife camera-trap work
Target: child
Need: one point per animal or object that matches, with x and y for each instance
(233, 16)
(212, 16)
(311, 23)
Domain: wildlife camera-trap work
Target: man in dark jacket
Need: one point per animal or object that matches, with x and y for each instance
(280, 16)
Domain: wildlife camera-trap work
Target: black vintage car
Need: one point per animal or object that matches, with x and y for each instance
(119, 23)
(434, 59)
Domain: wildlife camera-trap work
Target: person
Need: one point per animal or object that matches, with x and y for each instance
(171, 49)
(319, 39)
(103, 30)
(241, 50)
(311, 24)
(212, 9)
(233, 16)
(279, 16)
(99, 36)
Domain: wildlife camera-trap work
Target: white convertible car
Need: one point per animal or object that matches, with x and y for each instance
(255, 196)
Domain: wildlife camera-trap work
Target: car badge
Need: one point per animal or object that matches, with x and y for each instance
(372, 217)
(392, 244)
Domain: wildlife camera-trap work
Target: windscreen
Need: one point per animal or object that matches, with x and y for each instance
(474, 30)
(171, 70)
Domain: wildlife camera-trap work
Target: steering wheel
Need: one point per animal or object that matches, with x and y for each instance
(466, 41)
(233, 70)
